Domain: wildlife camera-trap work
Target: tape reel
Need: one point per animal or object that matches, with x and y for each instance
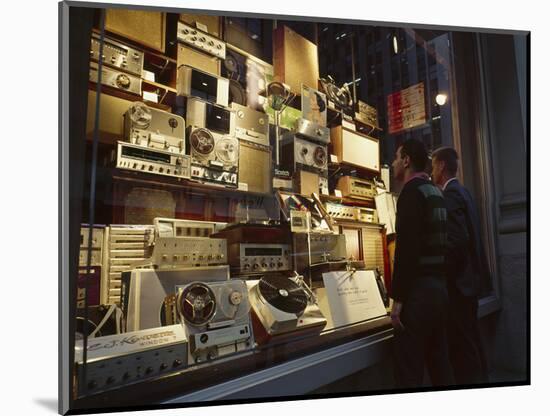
(140, 115)
(227, 150)
(196, 304)
(233, 303)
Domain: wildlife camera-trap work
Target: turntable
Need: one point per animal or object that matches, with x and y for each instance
(283, 307)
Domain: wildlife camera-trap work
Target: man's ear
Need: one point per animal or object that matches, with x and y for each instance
(406, 161)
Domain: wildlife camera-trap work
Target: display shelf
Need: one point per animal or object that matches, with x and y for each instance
(190, 185)
(258, 364)
(348, 201)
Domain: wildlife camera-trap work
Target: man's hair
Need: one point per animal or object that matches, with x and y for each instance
(416, 151)
(449, 156)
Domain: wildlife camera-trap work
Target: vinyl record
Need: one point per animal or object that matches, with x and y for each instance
(196, 304)
(202, 142)
(283, 294)
(237, 94)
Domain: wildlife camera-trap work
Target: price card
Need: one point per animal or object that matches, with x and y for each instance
(353, 296)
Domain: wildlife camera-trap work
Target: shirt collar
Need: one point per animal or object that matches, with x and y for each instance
(422, 175)
(446, 183)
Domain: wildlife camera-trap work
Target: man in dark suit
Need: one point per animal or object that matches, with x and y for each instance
(419, 289)
(466, 265)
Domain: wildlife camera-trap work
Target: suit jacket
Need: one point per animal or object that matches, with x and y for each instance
(465, 260)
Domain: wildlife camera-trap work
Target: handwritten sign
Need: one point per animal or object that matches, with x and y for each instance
(406, 108)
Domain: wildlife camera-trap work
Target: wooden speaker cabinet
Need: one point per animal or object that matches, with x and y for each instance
(255, 166)
(294, 59)
(212, 23)
(355, 149)
(144, 27)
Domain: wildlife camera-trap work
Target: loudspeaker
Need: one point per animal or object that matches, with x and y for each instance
(143, 27)
(294, 59)
(255, 166)
(355, 149)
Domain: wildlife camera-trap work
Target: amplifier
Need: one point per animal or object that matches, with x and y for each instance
(116, 78)
(298, 153)
(342, 212)
(312, 131)
(144, 27)
(295, 59)
(172, 227)
(367, 215)
(356, 188)
(118, 55)
(153, 128)
(215, 118)
(210, 23)
(259, 257)
(255, 168)
(156, 161)
(314, 106)
(251, 125)
(127, 246)
(201, 40)
(355, 149)
(177, 252)
(197, 59)
(323, 247)
(346, 213)
(195, 83)
(117, 360)
(145, 290)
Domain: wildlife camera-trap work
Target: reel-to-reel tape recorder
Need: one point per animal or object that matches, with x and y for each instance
(216, 316)
(215, 157)
(154, 128)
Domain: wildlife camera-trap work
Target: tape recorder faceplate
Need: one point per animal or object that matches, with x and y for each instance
(283, 305)
(151, 127)
(216, 316)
